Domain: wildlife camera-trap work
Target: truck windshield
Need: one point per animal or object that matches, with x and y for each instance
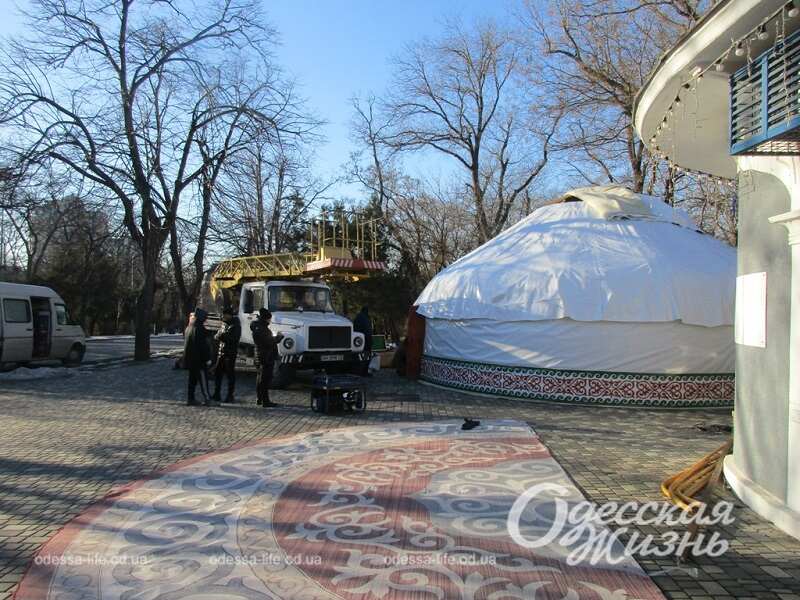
(297, 297)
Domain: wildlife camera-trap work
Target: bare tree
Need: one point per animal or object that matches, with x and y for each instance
(111, 91)
(253, 107)
(596, 56)
(428, 225)
(36, 203)
(83, 262)
(265, 195)
(461, 96)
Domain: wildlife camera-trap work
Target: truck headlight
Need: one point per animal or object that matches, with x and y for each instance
(288, 343)
(358, 342)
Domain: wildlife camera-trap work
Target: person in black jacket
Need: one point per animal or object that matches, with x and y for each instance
(362, 324)
(266, 352)
(197, 356)
(228, 339)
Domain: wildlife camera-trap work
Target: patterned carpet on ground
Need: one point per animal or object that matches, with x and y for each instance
(403, 511)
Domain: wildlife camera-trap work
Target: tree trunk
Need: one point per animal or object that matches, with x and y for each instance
(177, 266)
(200, 253)
(480, 211)
(144, 310)
(275, 222)
(635, 155)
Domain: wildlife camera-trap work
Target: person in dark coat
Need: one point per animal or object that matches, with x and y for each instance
(228, 339)
(399, 358)
(197, 356)
(266, 353)
(362, 324)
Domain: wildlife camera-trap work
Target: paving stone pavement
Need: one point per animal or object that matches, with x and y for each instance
(66, 442)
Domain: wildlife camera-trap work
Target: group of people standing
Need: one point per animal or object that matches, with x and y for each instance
(198, 355)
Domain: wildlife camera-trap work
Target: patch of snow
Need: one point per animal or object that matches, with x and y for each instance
(130, 337)
(26, 374)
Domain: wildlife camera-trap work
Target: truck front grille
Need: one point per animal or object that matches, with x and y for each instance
(322, 338)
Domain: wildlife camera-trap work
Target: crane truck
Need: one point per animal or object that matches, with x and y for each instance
(293, 287)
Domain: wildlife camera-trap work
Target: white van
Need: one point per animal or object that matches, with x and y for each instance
(35, 326)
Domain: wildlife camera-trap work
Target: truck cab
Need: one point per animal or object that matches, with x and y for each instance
(314, 336)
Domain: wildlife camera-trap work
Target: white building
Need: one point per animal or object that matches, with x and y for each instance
(725, 101)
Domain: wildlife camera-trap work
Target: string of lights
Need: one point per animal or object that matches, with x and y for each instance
(738, 48)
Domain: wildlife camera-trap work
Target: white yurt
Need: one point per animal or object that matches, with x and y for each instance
(604, 297)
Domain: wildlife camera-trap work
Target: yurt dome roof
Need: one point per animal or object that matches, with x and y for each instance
(613, 255)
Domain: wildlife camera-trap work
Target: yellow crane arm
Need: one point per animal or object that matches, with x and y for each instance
(231, 272)
(329, 263)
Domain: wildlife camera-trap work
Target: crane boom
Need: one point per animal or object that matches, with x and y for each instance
(232, 271)
(329, 263)
(339, 249)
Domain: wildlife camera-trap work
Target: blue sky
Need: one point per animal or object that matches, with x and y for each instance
(338, 49)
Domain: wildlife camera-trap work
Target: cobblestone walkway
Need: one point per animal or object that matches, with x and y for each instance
(67, 442)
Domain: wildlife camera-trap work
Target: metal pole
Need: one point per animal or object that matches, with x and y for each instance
(374, 240)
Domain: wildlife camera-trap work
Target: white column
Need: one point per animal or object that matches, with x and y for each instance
(787, 169)
(791, 220)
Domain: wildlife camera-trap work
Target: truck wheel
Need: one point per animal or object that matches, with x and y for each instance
(282, 376)
(74, 357)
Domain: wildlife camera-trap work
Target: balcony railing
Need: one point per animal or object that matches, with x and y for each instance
(765, 102)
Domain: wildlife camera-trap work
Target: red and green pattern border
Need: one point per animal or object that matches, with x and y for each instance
(582, 387)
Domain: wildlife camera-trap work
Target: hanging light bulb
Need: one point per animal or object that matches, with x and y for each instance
(791, 10)
(762, 32)
(677, 101)
(739, 49)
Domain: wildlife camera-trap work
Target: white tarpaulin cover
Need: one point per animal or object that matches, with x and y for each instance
(636, 290)
(563, 262)
(672, 348)
(612, 202)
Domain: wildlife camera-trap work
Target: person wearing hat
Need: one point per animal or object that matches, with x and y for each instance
(266, 352)
(228, 339)
(197, 356)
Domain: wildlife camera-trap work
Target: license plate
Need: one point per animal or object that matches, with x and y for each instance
(332, 357)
